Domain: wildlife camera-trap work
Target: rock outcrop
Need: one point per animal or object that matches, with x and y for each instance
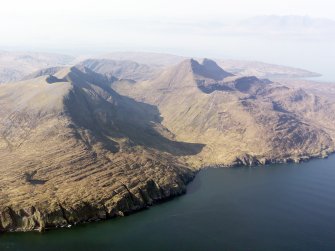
(240, 120)
(80, 144)
(55, 214)
(73, 151)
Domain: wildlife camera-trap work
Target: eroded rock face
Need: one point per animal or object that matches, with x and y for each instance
(240, 120)
(73, 151)
(54, 214)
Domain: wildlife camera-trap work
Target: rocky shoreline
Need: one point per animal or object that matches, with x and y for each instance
(248, 160)
(59, 215)
(39, 218)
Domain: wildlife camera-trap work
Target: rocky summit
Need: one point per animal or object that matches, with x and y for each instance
(106, 138)
(240, 120)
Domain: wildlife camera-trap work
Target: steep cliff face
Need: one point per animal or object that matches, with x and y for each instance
(54, 214)
(73, 150)
(240, 120)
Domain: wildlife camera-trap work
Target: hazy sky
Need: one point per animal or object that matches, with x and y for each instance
(191, 28)
(195, 9)
(82, 24)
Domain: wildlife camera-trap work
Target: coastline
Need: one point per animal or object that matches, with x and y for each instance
(36, 219)
(61, 216)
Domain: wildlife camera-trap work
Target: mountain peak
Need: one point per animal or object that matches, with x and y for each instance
(190, 73)
(206, 69)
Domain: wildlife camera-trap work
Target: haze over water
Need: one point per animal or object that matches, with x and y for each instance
(316, 56)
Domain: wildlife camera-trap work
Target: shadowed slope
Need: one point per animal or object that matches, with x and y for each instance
(241, 120)
(74, 150)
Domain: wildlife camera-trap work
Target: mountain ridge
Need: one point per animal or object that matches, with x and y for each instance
(16, 66)
(75, 151)
(200, 114)
(79, 144)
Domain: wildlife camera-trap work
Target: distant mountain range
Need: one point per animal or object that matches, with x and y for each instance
(289, 22)
(289, 25)
(16, 66)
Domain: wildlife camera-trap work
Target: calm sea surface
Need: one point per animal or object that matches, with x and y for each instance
(276, 207)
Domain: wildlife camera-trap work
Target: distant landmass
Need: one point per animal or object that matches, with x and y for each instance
(15, 66)
(290, 23)
(110, 135)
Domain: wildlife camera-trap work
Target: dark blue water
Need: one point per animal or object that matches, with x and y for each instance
(277, 207)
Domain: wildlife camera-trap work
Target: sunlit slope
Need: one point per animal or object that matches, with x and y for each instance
(73, 150)
(239, 119)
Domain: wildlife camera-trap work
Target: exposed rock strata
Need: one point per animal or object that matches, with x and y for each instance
(54, 213)
(73, 151)
(240, 120)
